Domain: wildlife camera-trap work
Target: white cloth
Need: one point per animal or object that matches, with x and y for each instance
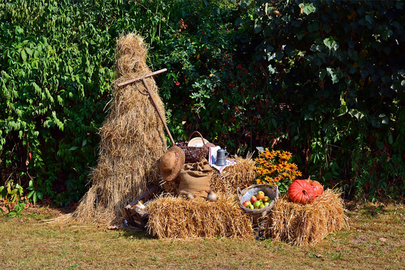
(213, 159)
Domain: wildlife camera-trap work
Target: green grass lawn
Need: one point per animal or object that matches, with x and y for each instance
(375, 240)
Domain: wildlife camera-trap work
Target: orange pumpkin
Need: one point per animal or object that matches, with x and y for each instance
(318, 188)
(300, 191)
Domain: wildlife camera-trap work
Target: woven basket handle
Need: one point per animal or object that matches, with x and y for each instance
(238, 192)
(189, 138)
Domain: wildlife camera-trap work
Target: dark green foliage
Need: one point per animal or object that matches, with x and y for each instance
(212, 85)
(338, 65)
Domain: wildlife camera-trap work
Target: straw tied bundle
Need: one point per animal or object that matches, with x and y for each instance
(303, 225)
(132, 140)
(176, 217)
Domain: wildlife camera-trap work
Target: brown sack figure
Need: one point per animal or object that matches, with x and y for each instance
(195, 178)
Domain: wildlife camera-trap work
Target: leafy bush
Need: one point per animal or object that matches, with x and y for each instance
(56, 60)
(337, 66)
(212, 84)
(12, 197)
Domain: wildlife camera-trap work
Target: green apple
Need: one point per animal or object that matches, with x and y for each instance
(266, 199)
(261, 206)
(256, 204)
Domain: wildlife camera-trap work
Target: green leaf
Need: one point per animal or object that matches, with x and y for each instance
(343, 110)
(330, 43)
(12, 214)
(390, 138)
(307, 8)
(40, 195)
(334, 74)
(23, 55)
(29, 51)
(369, 19)
(386, 33)
(30, 194)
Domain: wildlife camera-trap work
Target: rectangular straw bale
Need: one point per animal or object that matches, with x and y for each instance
(306, 225)
(241, 175)
(177, 217)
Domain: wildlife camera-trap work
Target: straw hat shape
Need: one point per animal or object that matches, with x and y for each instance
(171, 163)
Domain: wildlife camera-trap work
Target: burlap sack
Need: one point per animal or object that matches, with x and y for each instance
(195, 178)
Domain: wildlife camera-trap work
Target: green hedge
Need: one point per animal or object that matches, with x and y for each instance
(57, 65)
(322, 79)
(338, 65)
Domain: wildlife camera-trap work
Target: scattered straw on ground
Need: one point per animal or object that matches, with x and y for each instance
(303, 225)
(177, 217)
(132, 140)
(241, 175)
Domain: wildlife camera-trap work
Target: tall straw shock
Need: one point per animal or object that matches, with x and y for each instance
(132, 139)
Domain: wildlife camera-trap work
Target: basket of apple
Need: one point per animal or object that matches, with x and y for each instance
(258, 199)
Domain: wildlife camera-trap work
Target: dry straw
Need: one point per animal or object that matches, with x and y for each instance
(132, 140)
(171, 187)
(177, 217)
(306, 225)
(241, 175)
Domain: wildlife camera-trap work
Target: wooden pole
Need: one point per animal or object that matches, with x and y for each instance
(140, 78)
(160, 114)
(150, 94)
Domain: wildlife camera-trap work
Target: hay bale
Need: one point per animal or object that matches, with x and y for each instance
(132, 140)
(177, 217)
(306, 225)
(241, 175)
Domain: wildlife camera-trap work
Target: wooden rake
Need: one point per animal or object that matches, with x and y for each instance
(150, 94)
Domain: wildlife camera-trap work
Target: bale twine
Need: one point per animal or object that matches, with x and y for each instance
(177, 217)
(306, 225)
(132, 140)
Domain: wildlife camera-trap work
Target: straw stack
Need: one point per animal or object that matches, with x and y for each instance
(306, 225)
(177, 217)
(132, 140)
(241, 175)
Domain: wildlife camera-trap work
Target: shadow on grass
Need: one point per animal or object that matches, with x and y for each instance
(135, 233)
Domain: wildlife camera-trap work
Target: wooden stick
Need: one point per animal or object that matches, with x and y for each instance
(140, 78)
(160, 115)
(150, 94)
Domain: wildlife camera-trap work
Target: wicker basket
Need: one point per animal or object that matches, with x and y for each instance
(245, 194)
(194, 154)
